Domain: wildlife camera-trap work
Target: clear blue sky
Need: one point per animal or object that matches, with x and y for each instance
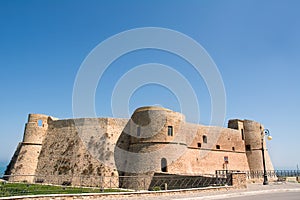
(255, 44)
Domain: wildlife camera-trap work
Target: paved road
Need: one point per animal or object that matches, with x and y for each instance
(273, 196)
(278, 195)
(288, 195)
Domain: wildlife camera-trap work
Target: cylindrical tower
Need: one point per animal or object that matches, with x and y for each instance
(253, 141)
(155, 141)
(35, 129)
(25, 160)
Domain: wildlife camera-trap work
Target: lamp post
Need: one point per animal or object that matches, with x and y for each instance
(264, 132)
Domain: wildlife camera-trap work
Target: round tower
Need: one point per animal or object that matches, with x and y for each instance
(25, 160)
(35, 129)
(253, 144)
(155, 141)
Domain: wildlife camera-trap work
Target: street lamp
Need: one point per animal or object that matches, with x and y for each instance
(265, 132)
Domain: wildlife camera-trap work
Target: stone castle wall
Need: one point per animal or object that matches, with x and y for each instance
(204, 156)
(80, 147)
(154, 140)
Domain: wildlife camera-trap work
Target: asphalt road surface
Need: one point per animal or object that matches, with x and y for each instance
(283, 195)
(289, 195)
(273, 196)
(275, 191)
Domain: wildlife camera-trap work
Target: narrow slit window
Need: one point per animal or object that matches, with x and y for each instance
(243, 135)
(138, 131)
(170, 130)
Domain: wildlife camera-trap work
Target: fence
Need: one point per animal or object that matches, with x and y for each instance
(180, 182)
(30, 184)
(260, 173)
(20, 189)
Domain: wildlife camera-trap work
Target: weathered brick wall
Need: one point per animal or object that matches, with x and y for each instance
(99, 147)
(182, 151)
(207, 158)
(80, 147)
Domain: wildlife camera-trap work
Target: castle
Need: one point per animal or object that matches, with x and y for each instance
(153, 140)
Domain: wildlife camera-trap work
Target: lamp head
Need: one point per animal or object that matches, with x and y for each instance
(269, 137)
(266, 132)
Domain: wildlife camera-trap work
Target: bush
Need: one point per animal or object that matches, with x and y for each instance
(156, 188)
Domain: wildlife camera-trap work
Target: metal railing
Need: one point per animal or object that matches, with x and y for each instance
(260, 173)
(182, 182)
(287, 173)
(38, 184)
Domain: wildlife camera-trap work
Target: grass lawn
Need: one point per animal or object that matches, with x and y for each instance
(18, 189)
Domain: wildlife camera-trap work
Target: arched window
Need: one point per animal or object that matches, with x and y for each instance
(164, 165)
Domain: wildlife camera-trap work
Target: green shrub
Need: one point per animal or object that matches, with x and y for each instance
(156, 188)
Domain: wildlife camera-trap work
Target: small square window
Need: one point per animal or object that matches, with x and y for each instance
(218, 147)
(226, 160)
(170, 130)
(248, 147)
(199, 144)
(233, 148)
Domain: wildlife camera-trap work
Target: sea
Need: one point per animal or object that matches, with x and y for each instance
(2, 169)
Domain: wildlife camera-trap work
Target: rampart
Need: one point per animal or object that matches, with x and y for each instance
(153, 140)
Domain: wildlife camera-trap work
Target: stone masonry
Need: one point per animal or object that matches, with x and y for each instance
(154, 140)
